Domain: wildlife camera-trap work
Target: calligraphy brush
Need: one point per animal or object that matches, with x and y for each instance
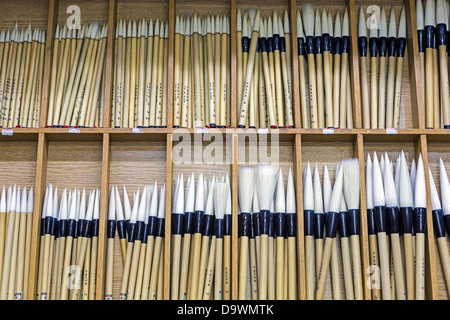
(43, 295)
(27, 241)
(429, 73)
(362, 48)
(352, 199)
(210, 266)
(120, 223)
(332, 222)
(271, 294)
(440, 34)
(327, 70)
(373, 51)
(319, 217)
(159, 236)
(54, 245)
(318, 50)
(94, 246)
(393, 220)
(382, 51)
(406, 221)
(301, 50)
(337, 55)
(110, 234)
(277, 69)
(14, 249)
(401, 47)
(3, 213)
(334, 263)
(345, 248)
(177, 233)
(309, 226)
(420, 224)
(280, 231)
(421, 43)
(11, 208)
(440, 218)
(291, 233)
(19, 279)
(220, 197)
(227, 230)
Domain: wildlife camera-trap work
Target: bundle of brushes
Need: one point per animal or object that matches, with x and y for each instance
(264, 70)
(325, 47)
(202, 63)
(21, 73)
(441, 217)
(77, 77)
(382, 109)
(433, 38)
(201, 239)
(331, 213)
(396, 209)
(140, 228)
(67, 266)
(139, 96)
(16, 210)
(267, 235)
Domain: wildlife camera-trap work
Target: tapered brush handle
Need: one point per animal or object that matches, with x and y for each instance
(243, 267)
(126, 271)
(2, 238)
(328, 74)
(279, 268)
(253, 270)
(422, 74)
(302, 86)
(343, 93)
(398, 91)
(320, 90)
(324, 265)
(335, 274)
(409, 264)
(309, 251)
(94, 255)
(443, 80)
(66, 265)
(365, 93)
(373, 93)
(313, 91)
(429, 89)
(44, 289)
(271, 270)
(263, 270)
(400, 292)
(184, 266)
(75, 294)
(382, 94)
(336, 89)
(390, 92)
(319, 255)
(292, 268)
(445, 259)
(420, 266)
(60, 259)
(155, 266)
(279, 88)
(384, 265)
(147, 267)
(374, 263)
(436, 93)
(86, 272)
(210, 270)
(203, 266)
(123, 248)
(109, 270)
(140, 272)
(218, 273)
(268, 84)
(347, 267)
(197, 243)
(356, 267)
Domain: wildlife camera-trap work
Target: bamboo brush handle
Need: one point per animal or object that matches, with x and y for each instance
(287, 90)
(93, 276)
(443, 60)
(239, 68)
(2, 238)
(384, 265)
(253, 270)
(147, 267)
(243, 267)
(45, 266)
(292, 268)
(328, 74)
(409, 263)
(302, 85)
(400, 292)
(319, 255)
(312, 91)
(227, 267)
(195, 265)
(140, 272)
(223, 79)
(335, 274)
(269, 100)
(263, 270)
(184, 266)
(436, 94)
(347, 267)
(218, 281)
(65, 270)
(374, 263)
(320, 90)
(429, 87)
(336, 90)
(356, 263)
(325, 263)
(271, 270)
(422, 75)
(390, 92)
(109, 270)
(123, 248)
(126, 272)
(343, 93)
(203, 266)
(349, 102)
(177, 81)
(420, 266)
(309, 266)
(280, 268)
(155, 265)
(210, 271)
(365, 93)
(445, 259)
(373, 94)
(279, 88)
(382, 94)
(398, 91)
(258, 259)
(176, 266)
(75, 294)
(86, 271)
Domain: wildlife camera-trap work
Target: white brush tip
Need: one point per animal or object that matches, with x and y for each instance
(362, 31)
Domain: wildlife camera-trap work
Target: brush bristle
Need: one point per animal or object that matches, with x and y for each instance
(445, 188)
(419, 15)
(336, 195)
(220, 199)
(300, 33)
(308, 192)
(290, 194)
(327, 189)
(351, 183)
(377, 180)
(318, 200)
(406, 194)
(265, 185)
(389, 187)
(435, 201)
(308, 19)
(402, 24)
(280, 196)
(362, 29)
(430, 13)
(420, 193)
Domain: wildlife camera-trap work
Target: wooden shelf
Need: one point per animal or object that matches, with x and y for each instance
(103, 157)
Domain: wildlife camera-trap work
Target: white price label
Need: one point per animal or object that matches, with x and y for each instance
(137, 130)
(74, 130)
(391, 131)
(328, 131)
(7, 132)
(202, 130)
(263, 130)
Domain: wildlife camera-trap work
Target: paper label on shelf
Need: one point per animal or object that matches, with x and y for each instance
(391, 131)
(137, 130)
(202, 130)
(328, 130)
(74, 130)
(263, 130)
(7, 132)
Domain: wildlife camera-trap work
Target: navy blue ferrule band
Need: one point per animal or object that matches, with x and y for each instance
(188, 222)
(308, 222)
(447, 222)
(362, 46)
(373, 46)
(344, 44)
(131, 232)
(420, 40)
(343, 224)
(151, 229)
(379, 213)
(208, 225)
(71, 226)
(177, 223)
(382, 46)
(257, 223)
(271, 224)
(252, 227)
(145, 233)
(269, 44)
(48, 225)
(319, 225)
(337, 45)
(301, 46)
(139, 230)
(245, 44)
(86, 232)
(291, 225)
(227, 224)
(438, 223)
(63, 228)
(354, 222)
(276, 42)
(111, 228)
(95, 227)
(393, 216)
(198, 221)
(309, 45)
(391, 46)
(420, 220)
(429, 35)
(318, 45)
(121, 229)
(371, 222)
(160, 226)
(406, 216)
(440, 34)
(244, 224)
(282, 44)
(401, 47)
(264, 221)
(262, 44)
(280, 224)
(326, 43)
(331, 224)
(218, 228)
